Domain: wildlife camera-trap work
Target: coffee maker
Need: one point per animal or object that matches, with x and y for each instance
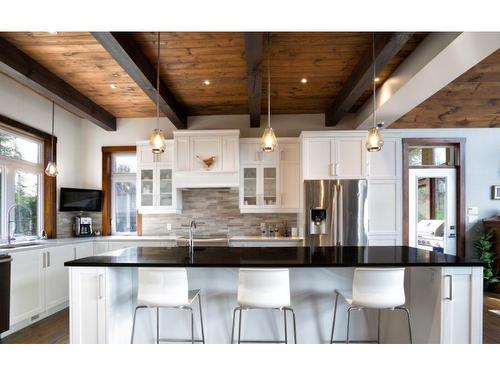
(82, 226)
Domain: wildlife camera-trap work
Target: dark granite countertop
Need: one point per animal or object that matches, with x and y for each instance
(291, 257)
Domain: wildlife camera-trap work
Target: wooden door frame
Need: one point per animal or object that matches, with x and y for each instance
(459, 159)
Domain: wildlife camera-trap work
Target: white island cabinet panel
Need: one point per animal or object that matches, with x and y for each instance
(27, 285)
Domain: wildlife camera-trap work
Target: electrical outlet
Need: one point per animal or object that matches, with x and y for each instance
(169, 227)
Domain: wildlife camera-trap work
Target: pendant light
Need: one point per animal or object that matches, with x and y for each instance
(268, 141)
(157, 139)
(51, 169)
(374, 140)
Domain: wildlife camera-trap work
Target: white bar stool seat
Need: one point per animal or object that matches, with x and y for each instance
(264, 288)
(374, 288)
(166, 288)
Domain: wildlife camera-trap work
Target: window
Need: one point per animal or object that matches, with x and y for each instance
(430, 156)
(21, 172)
(123, 190)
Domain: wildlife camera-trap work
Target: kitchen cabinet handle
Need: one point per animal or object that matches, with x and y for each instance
(74, 253)
(332, 169)
(44, 260)
(48, 258)
(100, 286)
(450, 290)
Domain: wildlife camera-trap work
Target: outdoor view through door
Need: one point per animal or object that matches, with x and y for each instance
(431, 196)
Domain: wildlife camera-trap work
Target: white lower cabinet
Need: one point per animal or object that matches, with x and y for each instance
(27, 285)
(83, 250)
(56, 275)
(100, 247)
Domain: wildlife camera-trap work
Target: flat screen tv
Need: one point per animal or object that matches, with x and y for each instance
(80, 200)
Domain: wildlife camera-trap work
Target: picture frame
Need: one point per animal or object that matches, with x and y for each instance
(495, 192)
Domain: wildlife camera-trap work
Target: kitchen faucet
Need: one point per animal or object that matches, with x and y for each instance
(192, 227)
(9, 238)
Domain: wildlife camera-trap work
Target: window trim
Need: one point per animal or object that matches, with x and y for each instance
(119, 177)
(49, 184)
(107, 152)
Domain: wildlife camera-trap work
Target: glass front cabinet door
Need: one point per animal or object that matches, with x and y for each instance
(250, 186)
(269, 196)
(147, 191)
(165, 198)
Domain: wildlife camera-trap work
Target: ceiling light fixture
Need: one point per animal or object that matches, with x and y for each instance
(377, 79)
(303, 80)
(268, 141)
(157, 139)
(374, 140)
(206, 82)
(51, 169)
(113, 86)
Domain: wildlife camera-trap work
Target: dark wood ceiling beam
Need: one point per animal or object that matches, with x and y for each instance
(253, 55)
(128, 54)
(21, 67)
(387, 45)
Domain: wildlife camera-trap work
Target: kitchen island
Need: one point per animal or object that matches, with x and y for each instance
(443, 293)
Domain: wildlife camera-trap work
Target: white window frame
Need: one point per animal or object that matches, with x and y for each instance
(120, 177)
(9, 167)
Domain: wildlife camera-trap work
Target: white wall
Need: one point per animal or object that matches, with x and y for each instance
(24, 105)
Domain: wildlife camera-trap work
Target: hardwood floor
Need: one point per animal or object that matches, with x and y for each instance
(51, 330)
(55, 328)
(491, 321)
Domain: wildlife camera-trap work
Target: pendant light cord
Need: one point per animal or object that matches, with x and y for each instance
(374, 84)
(52, 138)
(269, 80)
(158, 82)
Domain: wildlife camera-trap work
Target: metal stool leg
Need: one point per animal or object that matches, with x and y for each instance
(284, 318)
(334, 316)
(378, 327)
(348, 322)
(157, 325)
(234, 320)
(409, 321)
(239, 328)
(133, 323)
(294, 327)
(192, 324)
(201, 320)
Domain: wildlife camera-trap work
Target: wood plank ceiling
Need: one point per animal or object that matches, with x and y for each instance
(471, 100)
(188, 59)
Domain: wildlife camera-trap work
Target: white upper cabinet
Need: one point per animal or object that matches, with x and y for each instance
(385, 163)
(317, 158)
(349, 157)
(270, 182)
(220, 151)
(156, 191)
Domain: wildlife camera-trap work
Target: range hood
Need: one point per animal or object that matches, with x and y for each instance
(206, 159)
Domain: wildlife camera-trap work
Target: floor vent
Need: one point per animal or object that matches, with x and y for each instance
(35, 317)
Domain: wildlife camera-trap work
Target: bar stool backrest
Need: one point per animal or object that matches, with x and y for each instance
(264, 288)
(379, 288)
(167, 287)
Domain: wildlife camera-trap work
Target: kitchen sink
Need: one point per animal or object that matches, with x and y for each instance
(17, 245)
(205, 241)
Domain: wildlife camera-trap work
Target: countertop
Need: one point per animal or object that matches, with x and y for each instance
(264, 239)
(290, 257)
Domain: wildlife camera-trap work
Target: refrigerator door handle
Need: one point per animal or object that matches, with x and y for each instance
(334, 209)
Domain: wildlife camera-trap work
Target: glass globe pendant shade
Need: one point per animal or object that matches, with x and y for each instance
(268, 141)
(157, 140)
(51, 169)
(374, 140)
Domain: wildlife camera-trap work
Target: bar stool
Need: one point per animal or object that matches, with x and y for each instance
(264, 289)
(166, 288)
(374, 288)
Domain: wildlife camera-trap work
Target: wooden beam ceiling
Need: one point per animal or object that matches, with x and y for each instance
(124, 49)
(253, 55)
(387, 45)
(21, 67)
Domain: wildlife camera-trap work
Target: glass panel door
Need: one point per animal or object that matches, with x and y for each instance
(270, 181)
(147, 192)
(124, 207)
(250, 186)
(165, 187)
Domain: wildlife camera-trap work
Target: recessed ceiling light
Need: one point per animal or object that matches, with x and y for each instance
(206, 82)
(377, 79)
(113, 86)
(52, 32)
(303, 80)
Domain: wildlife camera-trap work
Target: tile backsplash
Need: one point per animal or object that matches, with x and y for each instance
(216, 212)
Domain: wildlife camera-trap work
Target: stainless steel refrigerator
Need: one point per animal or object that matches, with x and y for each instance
(336, 212)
